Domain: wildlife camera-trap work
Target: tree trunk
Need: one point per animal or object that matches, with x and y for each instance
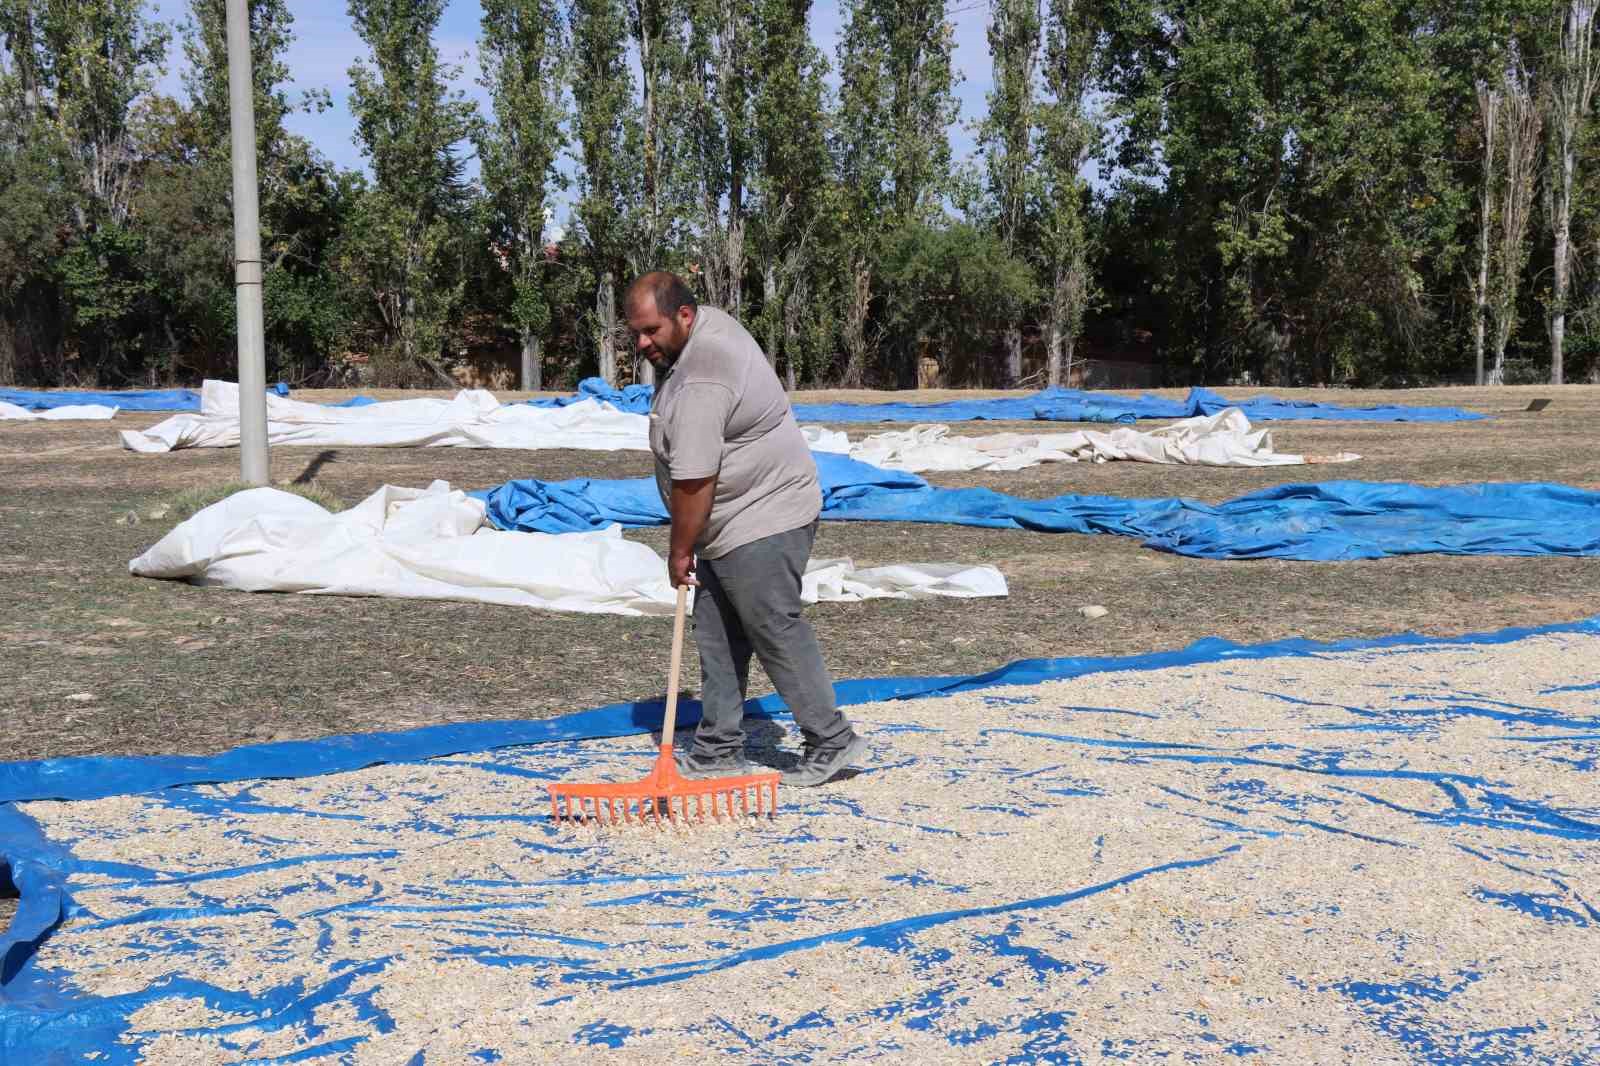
(532, 361)
(1013, 356)
(792, 305)
(855, 325)
(769, 304)
(8, 352)
(605, 309)
(1488, 107)
(1053, 356)
(1562, 272)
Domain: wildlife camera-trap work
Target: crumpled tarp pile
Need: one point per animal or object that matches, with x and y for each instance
(475, 419)
(434, 544)
(118, 399)
(472, 419)
(1326, 521)
(78, 412)
(1061, 405)
(1223, 439)
(1393, 859)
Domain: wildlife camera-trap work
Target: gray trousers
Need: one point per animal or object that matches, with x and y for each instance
(749, 601)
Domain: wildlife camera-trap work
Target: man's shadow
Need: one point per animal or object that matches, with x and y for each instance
(762, 733)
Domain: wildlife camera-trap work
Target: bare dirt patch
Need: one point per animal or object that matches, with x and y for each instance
(172, 667)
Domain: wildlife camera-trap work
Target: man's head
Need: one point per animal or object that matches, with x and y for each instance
(660, 310)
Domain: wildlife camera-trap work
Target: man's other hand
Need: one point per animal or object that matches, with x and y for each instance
(680, 570)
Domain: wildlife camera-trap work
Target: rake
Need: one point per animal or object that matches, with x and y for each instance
(666, 795)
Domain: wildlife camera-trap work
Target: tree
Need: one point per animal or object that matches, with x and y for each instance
(1007, 137)
(184, 206)
(1067, 138)
(1574, 74)
(602, 124)
(1490, 100)
(1304, 152)
(522, 56)
(76, 69)
(717, 93)
(896, 105)
(1519, 123)
(790, 185)
(403, 232)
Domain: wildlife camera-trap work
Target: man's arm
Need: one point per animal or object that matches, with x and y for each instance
(690, 507)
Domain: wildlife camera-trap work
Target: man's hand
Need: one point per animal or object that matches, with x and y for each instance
(690, 507)
(680, 570)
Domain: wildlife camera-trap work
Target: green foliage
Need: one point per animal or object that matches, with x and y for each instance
(404, 236)
(524, 68)
(950, 290)
(1291, 189)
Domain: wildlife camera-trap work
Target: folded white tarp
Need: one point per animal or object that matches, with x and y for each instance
(472, 419)
(1222, 439)
(78, 412)
(433, 543)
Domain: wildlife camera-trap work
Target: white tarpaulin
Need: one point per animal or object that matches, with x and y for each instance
(78, 412)
(472, 419)
(1222, 439)
(433, 544)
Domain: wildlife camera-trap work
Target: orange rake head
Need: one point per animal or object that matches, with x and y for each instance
(665, 796)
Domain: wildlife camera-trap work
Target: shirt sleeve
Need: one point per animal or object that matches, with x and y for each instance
(699, 430)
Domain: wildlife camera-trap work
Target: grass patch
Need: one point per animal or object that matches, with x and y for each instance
(190, 502)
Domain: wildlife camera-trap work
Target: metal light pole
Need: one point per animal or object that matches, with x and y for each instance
(247, 250)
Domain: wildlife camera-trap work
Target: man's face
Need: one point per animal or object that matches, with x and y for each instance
(661, 337)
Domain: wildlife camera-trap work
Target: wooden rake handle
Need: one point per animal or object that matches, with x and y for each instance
(670, 719)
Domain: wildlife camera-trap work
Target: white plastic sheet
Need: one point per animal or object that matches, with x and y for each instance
(1222, 439)
(472, 419)
(78, 412)
(433, 544)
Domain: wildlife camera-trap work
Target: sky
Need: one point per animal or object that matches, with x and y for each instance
(325, 45)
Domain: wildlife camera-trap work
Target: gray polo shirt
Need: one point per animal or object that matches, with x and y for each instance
(721, 411)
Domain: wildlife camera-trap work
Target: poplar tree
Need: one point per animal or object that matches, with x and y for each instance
(603, 125)
(1067, 139)
(1007, 136)
(896, 105)
(791, 184)
(1573, 76)
(404, 231)
(522, 55)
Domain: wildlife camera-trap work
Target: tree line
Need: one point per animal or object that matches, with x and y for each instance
(1271, 191)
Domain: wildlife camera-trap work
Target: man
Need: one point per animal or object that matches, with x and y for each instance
(742, 490)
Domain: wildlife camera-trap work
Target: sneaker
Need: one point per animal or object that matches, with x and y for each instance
(695, 766)
(818, 767)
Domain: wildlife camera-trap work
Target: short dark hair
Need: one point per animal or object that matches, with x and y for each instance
(665, 288)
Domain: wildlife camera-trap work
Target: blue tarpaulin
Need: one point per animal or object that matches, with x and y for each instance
(634, 399)
(1053, 405)
(1329, 520)
(1257, 802)
(124, 400)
